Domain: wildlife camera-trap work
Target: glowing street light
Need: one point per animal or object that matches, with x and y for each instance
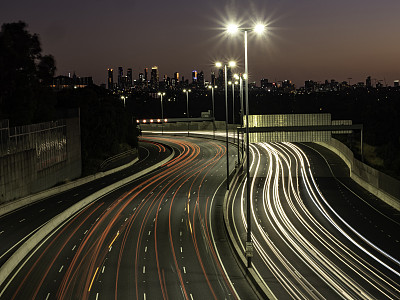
(212, 87)
(259, 29)
(218, 65)
(123, 98)
(187, 106)
(162, 111)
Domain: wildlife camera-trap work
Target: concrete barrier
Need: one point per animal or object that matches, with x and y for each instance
(58, 220)
(377, 183)
(13, 205)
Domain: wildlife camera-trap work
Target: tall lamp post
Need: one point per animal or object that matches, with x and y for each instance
(258, 29)
(218, 65)
(212, 87)
(162, 112)
(187, 106)
(233, 98)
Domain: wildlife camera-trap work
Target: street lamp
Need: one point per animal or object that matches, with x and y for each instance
(187, 106)
(233, 98)
(218, 65)
(123, 98)
(233, 29)
(162, 112)
(212, 87)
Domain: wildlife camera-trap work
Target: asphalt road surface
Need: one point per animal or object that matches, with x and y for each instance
(159, 237)
(316, 234)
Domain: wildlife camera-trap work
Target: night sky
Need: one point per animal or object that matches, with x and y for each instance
(307, 39)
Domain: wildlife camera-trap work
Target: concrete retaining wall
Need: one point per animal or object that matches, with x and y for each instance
(374, 181)
(22, 175)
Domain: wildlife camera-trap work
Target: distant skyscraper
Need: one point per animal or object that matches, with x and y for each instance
(220, 79)
(154, 81)
(229, 73)
(264, 83)
(368, 82)
(141, 79)
(396, 83)
(129, 75)
(176, 77)
(146, 78)
(194, 76)
(110, 79)
(120, 75)
(213, 81)
(200, 79)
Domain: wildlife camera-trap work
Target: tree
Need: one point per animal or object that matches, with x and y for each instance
(25, 75)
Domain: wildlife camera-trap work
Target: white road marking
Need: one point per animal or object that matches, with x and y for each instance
(73, 248)
(97, 296)
(76, 195)
(86, 231)
(59, 271)
(42, 210)
(181, 249)
(145, 249)
(48, 295)
(144, 269)
(184, 270)
(102, 270)
(21, 220)
(59, 201)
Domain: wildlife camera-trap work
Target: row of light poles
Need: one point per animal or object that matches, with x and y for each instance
(233, 29)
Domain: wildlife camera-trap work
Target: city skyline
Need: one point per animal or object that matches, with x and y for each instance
(304, 41)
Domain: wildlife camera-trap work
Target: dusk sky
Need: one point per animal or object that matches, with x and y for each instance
(308, 39)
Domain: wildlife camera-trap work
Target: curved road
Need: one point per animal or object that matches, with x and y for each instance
(154, 238)
(315, 235)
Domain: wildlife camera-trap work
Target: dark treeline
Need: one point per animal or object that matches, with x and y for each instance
(26, 97)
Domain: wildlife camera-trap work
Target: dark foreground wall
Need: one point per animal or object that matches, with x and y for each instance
(38, 156)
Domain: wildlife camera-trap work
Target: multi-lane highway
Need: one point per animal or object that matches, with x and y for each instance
(152, 239)
(17, 226)
(316, 235)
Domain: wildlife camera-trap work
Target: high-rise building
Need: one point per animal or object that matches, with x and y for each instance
(176, 77)
(110, 79)
(129, 76)
(368, 82)
(154, 81)
(146, 78)
(194, 77)
(396, 83)
(120, 75)
(213, 81)
(229, 73)
(141, 79)
(220, 79)
(200, 79)
(264, 83)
